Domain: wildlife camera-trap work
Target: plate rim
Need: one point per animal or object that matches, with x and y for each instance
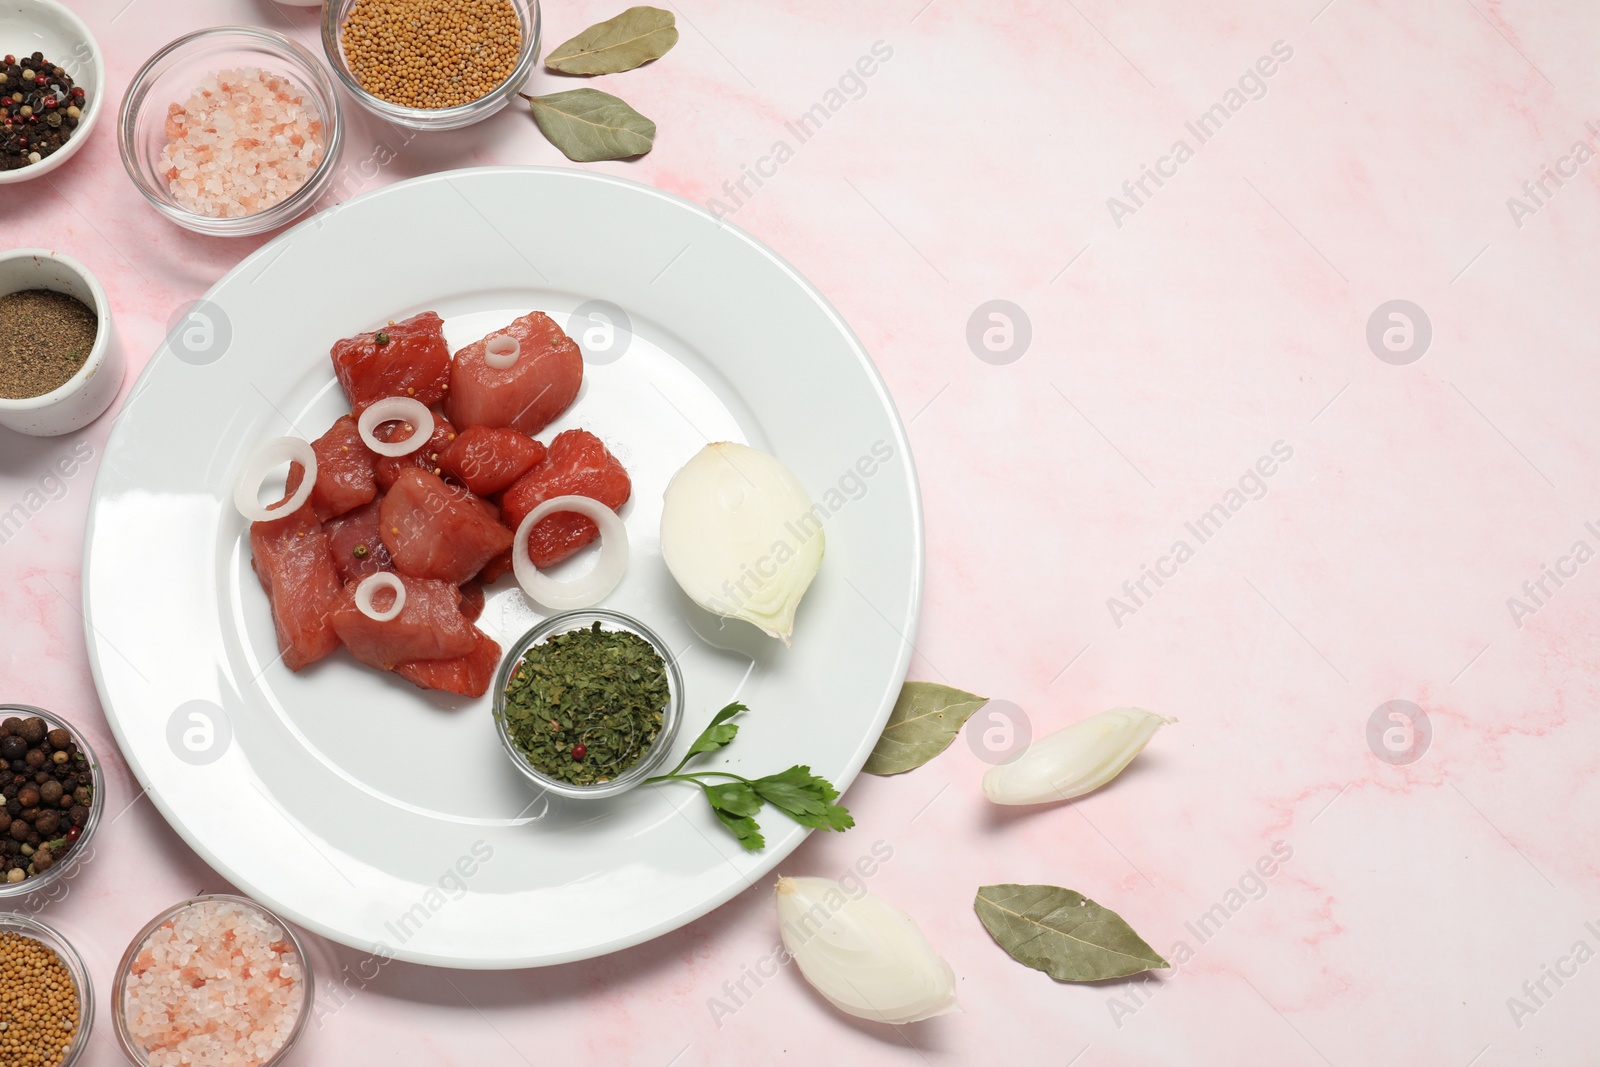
(907, 647)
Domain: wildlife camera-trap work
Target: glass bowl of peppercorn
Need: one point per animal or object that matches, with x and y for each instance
(54, 793)
(51, 78)
(428, 65)
(588, 703)
(55, 1032)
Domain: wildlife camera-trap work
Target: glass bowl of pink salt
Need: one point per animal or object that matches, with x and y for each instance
(216, 979)
(231, 131)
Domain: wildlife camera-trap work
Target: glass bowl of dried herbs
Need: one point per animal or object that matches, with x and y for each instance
(588, 702)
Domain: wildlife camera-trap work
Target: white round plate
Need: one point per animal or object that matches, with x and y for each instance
(389, 818)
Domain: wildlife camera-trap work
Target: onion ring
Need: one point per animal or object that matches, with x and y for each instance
(368, 589)
(247, 490)
(396, 409)
(580, 592)
(501, 352)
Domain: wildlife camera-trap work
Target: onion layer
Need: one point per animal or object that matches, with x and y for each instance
(740, 535)
(369, 588)
(589, 589)
(866, 956)
(247, 490)
(396, 409)
(501, 352)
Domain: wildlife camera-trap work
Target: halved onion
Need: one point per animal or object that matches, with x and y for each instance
(396, 409)
(502, 351)
(580, 592)
(368, 589)
(247, 490)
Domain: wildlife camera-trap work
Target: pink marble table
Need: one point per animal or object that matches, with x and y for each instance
(1198, 247)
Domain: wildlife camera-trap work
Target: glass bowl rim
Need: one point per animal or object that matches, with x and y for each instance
(72, 960)
(431, 118)
(285, 210)
(28, 887)
(672, 715)
(119, 984)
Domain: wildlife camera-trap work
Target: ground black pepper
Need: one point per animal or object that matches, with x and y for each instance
(40, 106)
(45, 337)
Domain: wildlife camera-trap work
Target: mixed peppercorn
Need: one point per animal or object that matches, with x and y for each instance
(48, 787)
(41, 108)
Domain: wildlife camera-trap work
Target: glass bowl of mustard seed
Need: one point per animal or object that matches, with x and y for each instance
(431, 64)
(588, 703)
(48, 1008)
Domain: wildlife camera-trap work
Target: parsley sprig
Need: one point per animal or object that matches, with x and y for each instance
(799, 794)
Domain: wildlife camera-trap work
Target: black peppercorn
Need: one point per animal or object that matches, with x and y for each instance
(79, 815)
(13, 747)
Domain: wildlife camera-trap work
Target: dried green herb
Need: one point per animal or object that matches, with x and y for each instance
(1063, 933)
(799, 794)
(631, 39)
(585, 705)
(924, 721)
(588, 125)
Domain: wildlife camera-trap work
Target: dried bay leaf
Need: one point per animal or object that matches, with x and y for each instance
(588, 125)
(924, 721)
(632, 39)
(1063, 933)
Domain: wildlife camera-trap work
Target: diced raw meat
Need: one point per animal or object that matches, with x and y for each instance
(486, 459)
(528, 394)
(429, 627)
(577, 464)
(415, 362)
(344, 470)
(472, 599)
(434, 530)
(353, 529)
(290, 556)
(496, 567)
(469, 675)
(425, 458)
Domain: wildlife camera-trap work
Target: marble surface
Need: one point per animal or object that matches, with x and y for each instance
(1180, 333)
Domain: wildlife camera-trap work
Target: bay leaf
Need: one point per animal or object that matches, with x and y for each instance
(924, 721)
(632, 39)
(588, 125)
(1063, 933)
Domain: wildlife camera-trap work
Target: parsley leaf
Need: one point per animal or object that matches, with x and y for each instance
(805, 797)
(735, 798)
(746, 830)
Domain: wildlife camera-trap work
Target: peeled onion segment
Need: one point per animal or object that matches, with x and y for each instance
(396, 409)
(280, 450)
(740, 535)
(1075, 760)
(586, 590)
(866, 956)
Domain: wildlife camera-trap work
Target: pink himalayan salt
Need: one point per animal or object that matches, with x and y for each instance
(243, 141)
(217, 985)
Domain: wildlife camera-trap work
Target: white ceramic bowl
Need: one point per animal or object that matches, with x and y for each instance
(87, 394)
(29, 26)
